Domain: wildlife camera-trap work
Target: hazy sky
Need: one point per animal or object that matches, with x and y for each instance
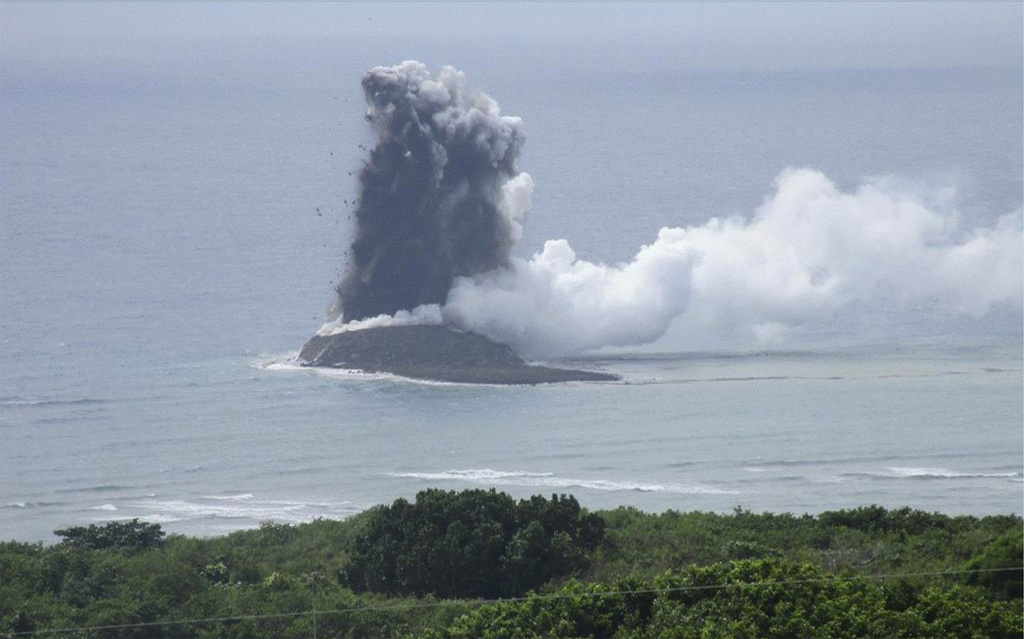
(708, 35)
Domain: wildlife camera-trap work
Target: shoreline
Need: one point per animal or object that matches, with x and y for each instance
(346, 519)
(543, 567)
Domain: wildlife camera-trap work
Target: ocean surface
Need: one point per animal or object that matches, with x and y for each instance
(170, 234)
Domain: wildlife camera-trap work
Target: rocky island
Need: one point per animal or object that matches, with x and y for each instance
(435, 353)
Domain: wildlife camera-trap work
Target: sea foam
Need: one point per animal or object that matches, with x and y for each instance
(900, 472)
(550, 480)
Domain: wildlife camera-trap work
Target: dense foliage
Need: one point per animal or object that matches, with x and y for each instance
(685, 575)
(870, 540)
(130, 535)
(475, 543)
(755, 599)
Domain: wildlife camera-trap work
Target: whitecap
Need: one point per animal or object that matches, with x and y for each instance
(923, 473)
(485, 474)
(159, 519)
(245, 506)
(942, 473)
(550, 480)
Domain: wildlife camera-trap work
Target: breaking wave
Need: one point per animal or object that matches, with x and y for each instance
(243, 506)
(551, 480)
(898, 472)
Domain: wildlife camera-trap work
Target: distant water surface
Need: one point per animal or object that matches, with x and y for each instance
(161, 254)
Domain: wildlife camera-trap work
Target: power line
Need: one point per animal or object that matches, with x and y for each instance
(482, 602)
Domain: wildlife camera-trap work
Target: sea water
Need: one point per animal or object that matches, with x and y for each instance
(170, 235)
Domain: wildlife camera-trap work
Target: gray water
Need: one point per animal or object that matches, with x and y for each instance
(161, 255)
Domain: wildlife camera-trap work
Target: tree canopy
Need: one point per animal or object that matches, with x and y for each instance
(475, 543)
(623, 573)
(128, 535)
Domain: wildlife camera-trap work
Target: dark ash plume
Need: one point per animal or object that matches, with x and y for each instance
(435, 199)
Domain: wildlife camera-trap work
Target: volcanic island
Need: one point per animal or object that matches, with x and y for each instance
(440, 198)
(434, 353)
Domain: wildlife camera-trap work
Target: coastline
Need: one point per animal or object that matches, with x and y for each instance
(899, 572)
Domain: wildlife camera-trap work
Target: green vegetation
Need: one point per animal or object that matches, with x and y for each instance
(131, 535)
(620, 573)
(750, 599)
(475, 543)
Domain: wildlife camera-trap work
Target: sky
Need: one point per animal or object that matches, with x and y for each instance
(703, 35)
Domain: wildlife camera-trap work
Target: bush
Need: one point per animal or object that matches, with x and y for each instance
(474, 543)
(768, 599)
(1003, 553)
(130, 535)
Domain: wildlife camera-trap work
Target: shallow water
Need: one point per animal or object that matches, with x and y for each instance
(235, 441)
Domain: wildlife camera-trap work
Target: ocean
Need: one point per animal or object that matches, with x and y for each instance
(171, 233)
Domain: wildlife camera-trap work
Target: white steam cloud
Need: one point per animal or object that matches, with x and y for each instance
(442, 205)
(421, 315)
(807, 253)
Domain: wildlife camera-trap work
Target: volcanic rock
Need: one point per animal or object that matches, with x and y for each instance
(433, 353)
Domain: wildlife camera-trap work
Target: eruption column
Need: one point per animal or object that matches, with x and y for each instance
(441, 207)
(439, 197)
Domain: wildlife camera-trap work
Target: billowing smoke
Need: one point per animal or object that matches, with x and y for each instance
(442, 207)
(810, 252)
(439, 196)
